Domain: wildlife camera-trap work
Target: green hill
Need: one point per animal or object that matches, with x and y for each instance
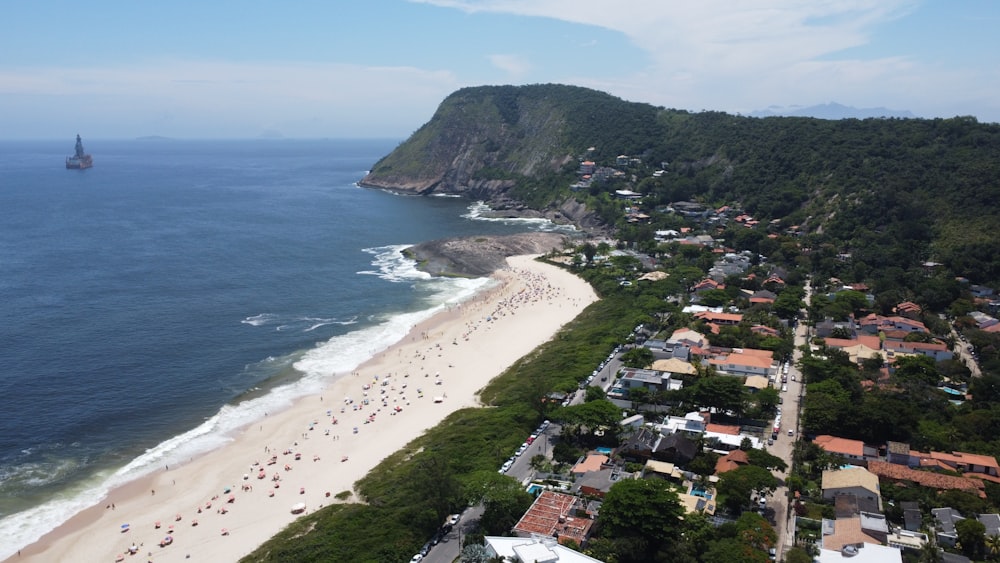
(891, 192)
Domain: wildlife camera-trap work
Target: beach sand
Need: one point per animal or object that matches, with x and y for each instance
(448, 358)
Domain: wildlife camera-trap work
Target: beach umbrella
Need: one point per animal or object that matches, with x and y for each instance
(125, 527)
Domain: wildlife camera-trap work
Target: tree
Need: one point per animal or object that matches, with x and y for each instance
(732, 549)
(643, 509)
(755, 531)
(723, 392)
(971, 537)
(992, 543)
(739, 484)
(503, 499)
(797, 555)
(589, 251)
(640, 357)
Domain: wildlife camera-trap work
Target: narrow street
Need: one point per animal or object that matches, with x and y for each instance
(784, 446)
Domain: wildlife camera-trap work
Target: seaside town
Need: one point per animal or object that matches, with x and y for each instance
(781, 414)
(713, 403)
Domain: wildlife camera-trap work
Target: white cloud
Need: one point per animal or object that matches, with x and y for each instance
(513, 65)
(746, 55)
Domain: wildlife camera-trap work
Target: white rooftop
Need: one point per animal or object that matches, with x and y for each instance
(868, 553)
(534, 549)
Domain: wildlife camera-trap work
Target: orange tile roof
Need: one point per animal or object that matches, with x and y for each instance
(873, 342)
(926, 478)
(847, 531)
(963, 458)
(710, 316)
(722, 429)
(843, 446)
(550, 516)
(592, 462)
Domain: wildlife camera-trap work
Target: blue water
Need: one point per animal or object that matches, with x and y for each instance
(180, 289)
(700, 491)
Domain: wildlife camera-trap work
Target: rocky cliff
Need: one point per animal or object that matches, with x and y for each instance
(480, 256)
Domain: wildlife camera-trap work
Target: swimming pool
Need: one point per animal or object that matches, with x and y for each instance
(535, 489)
(700, 491)
(605, 451)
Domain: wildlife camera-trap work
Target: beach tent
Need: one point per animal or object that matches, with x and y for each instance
(298, 508)
(438, 399)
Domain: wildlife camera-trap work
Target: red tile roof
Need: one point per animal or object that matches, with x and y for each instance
(842, 446)
(926, 478)
(550, 516)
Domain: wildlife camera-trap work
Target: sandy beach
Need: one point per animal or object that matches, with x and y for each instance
(222, 505)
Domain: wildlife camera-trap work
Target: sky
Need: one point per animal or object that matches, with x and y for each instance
(379, 68)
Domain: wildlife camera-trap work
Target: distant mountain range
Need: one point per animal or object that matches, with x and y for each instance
(831, 110)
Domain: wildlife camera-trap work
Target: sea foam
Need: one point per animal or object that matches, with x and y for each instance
(335, 357)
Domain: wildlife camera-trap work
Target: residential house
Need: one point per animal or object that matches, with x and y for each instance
(867, 553)
(556, 515)
(592, 462)
(731, 461)
(857, 481)
(721, 319)
(937, 350)
(931, 479)
(662, 470)
(826, 327)
(847, 532)
(538, 549)
(707, 284)
(744, 362)
(913, 520)
(686, 337)
(898, 453)
(909, 310)
(654, 380)
(873, 324)
(674, 367)
(851, 450)
(595, 483)
(755, 383)
(991, 522)
(763, 297)
(676, 448)
(944, 525)
(973, 465)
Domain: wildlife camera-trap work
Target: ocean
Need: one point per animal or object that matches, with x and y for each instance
(178, 290)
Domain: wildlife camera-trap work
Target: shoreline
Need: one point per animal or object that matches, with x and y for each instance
(436, 369)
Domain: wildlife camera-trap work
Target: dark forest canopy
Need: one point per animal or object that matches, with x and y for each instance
(892, 192)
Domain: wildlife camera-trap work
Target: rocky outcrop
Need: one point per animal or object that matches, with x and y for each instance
(479, 256)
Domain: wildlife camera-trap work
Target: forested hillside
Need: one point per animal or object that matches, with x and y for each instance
(891, 192)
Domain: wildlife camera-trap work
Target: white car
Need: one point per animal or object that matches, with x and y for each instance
(453, 519)
(416, 558)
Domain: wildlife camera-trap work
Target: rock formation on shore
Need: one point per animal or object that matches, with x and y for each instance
(480, 255)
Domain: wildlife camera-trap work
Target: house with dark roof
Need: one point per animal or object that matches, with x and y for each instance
(913, 520)
(991, 522)
(944, 525)
(595, 483)
(675, 448)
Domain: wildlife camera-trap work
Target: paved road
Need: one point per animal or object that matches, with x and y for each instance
(450, 547)
(784, 446)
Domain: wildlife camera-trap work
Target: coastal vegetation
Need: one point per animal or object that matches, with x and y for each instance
(891, 193)
(907, 209)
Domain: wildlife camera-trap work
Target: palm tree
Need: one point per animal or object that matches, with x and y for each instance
(929, 552)
(993, 545)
